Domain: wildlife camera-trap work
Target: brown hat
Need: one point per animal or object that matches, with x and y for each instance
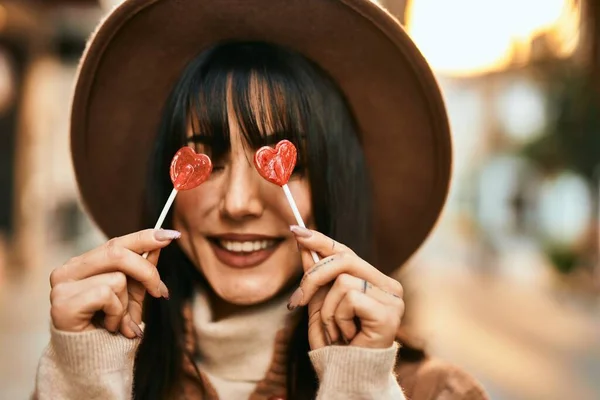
(136, 55)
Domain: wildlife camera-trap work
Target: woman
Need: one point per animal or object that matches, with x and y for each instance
(229, 303)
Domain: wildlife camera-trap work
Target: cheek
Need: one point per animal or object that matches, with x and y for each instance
(192, 205)
(300, 190)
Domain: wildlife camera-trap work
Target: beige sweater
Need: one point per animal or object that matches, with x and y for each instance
(99, 365)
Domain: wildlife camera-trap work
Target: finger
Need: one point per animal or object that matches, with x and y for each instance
(147, 240)
(377, 326)
(101, 298)
(318, 242)
(328, 269)
(343, 284)
(117, 281)
(316, 333)
(344, 316)
(112, 257)
(139, 242)
(132, 317)
(332, 331)
(153, 256)
(136, 293)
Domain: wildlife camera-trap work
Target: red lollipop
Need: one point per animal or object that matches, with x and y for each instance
(276, 165)
(188, 170)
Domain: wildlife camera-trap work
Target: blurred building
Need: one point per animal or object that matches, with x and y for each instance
(40, 43)
(498, 63)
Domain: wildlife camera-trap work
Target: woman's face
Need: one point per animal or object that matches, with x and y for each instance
(235, 227)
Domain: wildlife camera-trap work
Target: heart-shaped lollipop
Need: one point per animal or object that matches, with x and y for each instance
(276, 165)
(189, 169)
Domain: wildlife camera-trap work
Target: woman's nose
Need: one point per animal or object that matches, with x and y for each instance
(242, 198)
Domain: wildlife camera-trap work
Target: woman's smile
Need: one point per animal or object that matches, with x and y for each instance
(243, 250)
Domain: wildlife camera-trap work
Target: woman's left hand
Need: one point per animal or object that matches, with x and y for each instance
(349, 301)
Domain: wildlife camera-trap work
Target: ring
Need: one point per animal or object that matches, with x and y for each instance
(365, 284)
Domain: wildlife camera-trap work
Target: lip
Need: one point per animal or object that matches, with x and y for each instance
(239, 259)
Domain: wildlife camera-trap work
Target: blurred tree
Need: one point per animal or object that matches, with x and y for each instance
(572, 138)
(591, 25)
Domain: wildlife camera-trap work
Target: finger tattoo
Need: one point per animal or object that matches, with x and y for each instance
(386, 292)
(318, 266)
(321, 264)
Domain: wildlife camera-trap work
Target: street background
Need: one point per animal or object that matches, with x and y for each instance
(507, 286)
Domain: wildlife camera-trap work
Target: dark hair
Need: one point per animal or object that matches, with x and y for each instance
(306, 108)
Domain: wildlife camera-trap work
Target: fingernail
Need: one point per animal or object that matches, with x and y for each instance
(300, 231)
(136, 329)
(296, 299)
(166, 234)
(163, 290)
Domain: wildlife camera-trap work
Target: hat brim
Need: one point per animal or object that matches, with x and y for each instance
(138, 52)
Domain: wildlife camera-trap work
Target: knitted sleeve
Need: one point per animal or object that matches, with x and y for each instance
(86, 365)
(348, 372)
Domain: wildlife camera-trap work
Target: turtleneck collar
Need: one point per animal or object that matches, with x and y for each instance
(238, 348)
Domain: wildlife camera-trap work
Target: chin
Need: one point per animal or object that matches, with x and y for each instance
(245, 289)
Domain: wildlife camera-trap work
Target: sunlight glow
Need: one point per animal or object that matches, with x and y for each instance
(465, 37)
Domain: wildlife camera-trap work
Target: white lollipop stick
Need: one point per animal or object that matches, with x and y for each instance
(164, 213)
(296, 212)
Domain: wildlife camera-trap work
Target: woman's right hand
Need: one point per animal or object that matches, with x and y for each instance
(112, 278)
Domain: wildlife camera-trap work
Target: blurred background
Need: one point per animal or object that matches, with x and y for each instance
(508, 285)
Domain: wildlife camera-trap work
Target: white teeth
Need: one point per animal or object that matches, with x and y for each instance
(246, 247)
